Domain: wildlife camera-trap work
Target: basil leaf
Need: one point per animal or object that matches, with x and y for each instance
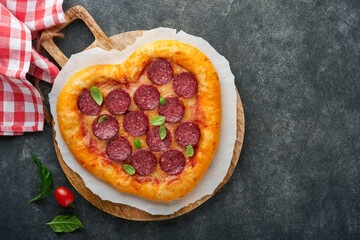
(129, 169)
(96, 95)
(157, 121)
(102, 118)
(65, 223)
(46, 178)
(137, 143)
(162, 132)
(162, 101)
(190, 150)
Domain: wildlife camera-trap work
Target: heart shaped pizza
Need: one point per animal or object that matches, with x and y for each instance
(149, 126)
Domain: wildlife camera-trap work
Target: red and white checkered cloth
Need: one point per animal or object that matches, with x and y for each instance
(21, 108)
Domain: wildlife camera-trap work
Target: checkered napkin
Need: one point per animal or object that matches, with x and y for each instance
(21, 108)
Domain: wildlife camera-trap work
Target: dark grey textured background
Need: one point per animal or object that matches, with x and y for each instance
(297, 69)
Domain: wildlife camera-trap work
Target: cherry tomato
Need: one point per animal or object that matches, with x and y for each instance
(63, 196)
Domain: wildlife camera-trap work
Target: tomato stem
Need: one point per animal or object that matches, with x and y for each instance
(72, 206)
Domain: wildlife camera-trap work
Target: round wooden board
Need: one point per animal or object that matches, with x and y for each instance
(119, 42)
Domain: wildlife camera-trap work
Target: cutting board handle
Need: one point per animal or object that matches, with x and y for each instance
(77, 12)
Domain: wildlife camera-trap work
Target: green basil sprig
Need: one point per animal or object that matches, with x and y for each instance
(157, 121)
(102, 118)
(129, 169)
(46, 178)
(162, 132)
(65, 223)
(162, 101)
(96, 95)
(190, 150)
(137, 143)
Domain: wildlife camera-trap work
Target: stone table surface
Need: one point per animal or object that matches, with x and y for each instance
(297, 69)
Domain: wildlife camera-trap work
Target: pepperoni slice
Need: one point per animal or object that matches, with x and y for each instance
(136, 123)
(160, 71)
(187, 133)
(147, 97)
(119, 149)
(172, 162)
(144, 162)
(185, 85)
(118, 101)
(154, 141)
(87, 104)
(173, 110)
(107, 129)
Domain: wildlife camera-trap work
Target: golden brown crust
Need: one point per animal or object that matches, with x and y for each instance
(208, 115)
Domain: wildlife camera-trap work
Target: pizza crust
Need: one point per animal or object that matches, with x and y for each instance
(209, 113)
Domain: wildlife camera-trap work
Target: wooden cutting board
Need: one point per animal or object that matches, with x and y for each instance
(119, 42)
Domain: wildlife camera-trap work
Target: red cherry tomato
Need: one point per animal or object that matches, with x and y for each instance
(63, 196)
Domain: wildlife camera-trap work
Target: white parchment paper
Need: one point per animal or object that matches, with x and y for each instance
(221, 162)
